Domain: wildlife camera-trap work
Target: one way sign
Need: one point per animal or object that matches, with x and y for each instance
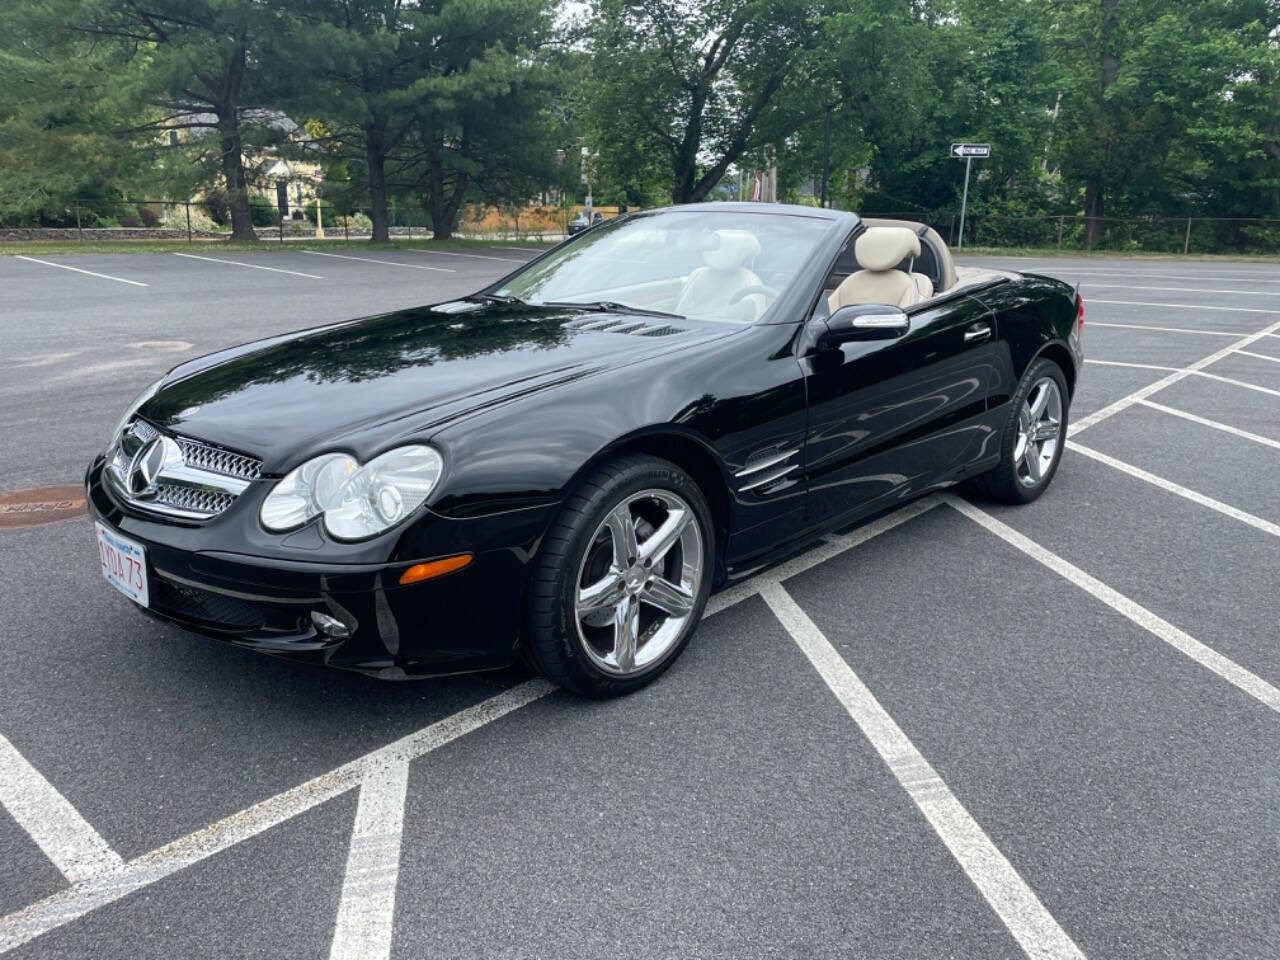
(965, 151)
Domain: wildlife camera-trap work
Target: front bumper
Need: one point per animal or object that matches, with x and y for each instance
(466, 620)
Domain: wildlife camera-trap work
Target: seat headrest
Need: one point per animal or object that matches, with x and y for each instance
(883, 248)
(736, 247)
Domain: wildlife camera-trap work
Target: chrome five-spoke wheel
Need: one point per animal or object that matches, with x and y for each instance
(638, 583)
(1039, 432)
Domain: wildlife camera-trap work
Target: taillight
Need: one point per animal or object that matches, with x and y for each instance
(1079, 316)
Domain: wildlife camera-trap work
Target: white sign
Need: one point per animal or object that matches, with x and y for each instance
(964, 151)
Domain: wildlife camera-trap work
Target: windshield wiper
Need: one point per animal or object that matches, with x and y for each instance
(500, 298)
(613, 306)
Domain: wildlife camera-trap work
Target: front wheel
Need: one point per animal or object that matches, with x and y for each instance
(621, 578)
(1034, 437)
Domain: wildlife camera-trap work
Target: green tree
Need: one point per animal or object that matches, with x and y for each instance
(193, 66)
(695, 84)
(57, 123)
(1138, 78)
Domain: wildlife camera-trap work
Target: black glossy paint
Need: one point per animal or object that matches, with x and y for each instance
(521, 404)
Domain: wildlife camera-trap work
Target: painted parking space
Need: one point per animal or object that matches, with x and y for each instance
(1026, 701)
(1226, 403)
(750, 840)
(1241, 471)
(1207, 573)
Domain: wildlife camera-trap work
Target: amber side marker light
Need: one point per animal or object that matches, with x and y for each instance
(434, 568)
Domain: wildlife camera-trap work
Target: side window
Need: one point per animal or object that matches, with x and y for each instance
(845, 264)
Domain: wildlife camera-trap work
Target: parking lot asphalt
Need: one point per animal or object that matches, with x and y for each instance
(960, 730)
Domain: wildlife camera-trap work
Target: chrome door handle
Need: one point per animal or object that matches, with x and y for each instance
(979, 331)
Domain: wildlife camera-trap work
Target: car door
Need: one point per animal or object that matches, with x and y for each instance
(890, 417)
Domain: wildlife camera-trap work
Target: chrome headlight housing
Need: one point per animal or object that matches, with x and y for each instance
(134, 407)
(356, 502)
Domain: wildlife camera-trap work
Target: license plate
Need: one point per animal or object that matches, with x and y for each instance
(124, 564)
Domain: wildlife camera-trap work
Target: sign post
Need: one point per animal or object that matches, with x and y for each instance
(967, 152)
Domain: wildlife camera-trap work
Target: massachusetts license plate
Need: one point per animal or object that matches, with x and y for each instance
(124, 564)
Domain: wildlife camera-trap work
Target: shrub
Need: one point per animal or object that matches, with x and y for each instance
(216, 206)
(151, 213)
(263, 212)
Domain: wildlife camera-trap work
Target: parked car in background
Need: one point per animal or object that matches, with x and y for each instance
(581, 222)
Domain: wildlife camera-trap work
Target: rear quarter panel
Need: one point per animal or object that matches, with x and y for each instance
(1032, 314)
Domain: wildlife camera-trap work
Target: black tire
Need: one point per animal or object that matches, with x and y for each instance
(1002, 483)
(551, 640)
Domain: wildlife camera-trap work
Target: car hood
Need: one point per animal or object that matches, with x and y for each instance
(358, 386)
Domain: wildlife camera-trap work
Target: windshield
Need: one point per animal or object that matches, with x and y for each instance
(727, 267)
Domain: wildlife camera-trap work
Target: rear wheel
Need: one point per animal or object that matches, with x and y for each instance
(1034, 437)
(622, 578)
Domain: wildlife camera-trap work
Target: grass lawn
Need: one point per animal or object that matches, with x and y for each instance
(35, 248)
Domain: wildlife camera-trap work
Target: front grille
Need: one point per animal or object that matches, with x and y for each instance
(203, 606)
(201, 456)
(194, 480)
(193, 499)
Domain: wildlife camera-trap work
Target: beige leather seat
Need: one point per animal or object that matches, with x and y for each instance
(709, 290)
(879, 250)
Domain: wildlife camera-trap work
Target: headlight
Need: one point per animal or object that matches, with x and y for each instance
(134, 407)
(355, 501)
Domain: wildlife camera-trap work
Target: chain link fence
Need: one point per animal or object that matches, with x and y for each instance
(205, 220)
(1073, 234)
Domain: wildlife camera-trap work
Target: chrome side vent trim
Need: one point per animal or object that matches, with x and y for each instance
(765, 469)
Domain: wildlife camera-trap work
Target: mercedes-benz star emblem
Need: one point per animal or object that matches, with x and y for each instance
(147, 465)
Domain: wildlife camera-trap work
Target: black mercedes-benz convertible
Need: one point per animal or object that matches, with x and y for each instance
(563, 466)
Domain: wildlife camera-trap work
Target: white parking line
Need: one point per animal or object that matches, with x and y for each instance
(367, 910)
(1181, 306)
(101, 889)
(1225, 428)
(524, 249)
(473, 256)
(389, 263)
(1134, 366)
(66, 838)
(1111, 409)
(1195, 373)
(1143, 326)
(1234, 293)
(87, 273)
(1204, 655)
(1258, 356)
(1237, 383)
(1266, 526)
(251, 266)
(1013, 900)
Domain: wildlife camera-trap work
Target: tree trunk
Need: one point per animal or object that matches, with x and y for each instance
(233, 173)
(376, 154)
(444, 203)
(227, 110)
(1092, 211)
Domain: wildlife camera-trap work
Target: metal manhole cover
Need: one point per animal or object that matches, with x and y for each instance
(39, 505)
